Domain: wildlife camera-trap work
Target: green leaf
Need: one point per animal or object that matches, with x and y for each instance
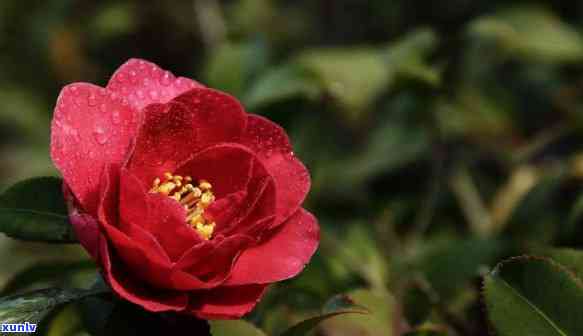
(230, 66)
(450, 264)
(278, 84)
(361, 254)
(338, 305)
(235, 327)
(383, 319)
(33, 307)
(34, 210)
(407, 57)
(569, 258)
(45, 271)
(354, 77)
(533, 218)
(534, 296)
(531, 33)
(66, 323)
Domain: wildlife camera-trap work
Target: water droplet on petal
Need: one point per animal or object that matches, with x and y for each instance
(140, 94)
(121, 77)
(100, 135)
(166, 78)
(92, 99)
(115, 117)
(133, 77)
(154, 94)
(103, 108)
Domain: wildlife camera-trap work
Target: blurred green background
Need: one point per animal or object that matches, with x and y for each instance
(441, 136)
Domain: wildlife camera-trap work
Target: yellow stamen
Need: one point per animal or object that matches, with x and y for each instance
(194, 199)
(205, 230)
(205, 185)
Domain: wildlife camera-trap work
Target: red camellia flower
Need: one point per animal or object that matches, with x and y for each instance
(187, 203)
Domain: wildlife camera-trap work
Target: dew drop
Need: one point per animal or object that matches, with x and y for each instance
(121, 77)
(133, 77)
(140, 94)
(166, 78)
(92, 99)
(115, 117)
(100, 135)
(103, 108)
(153, 94)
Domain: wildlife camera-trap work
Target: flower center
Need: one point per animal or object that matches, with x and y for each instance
(194, 199)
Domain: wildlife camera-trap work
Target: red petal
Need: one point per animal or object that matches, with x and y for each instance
(157, 214)
(265, 137)
(244, 189)
(166, 137)
(85, 226)
(213, 261)
(271, 144)
(87, 232)
(282, 256)
(141, 253)
(228, 167)
(218, 116)
(225, 302)
(90, 129)
(292, 183)
(140, 250)
(171, 133)
(143, 83)
(166, 220)
(136, 291)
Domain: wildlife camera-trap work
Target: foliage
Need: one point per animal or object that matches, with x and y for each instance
(443, 139)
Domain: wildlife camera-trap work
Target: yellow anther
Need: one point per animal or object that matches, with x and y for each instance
(205, 230)
(166, 187)
(192, 196)
(204, 185)
(195, 218)
(206, 199)
(194, 199)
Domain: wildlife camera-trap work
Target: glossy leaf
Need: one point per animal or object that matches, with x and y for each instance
(384, 318)
(571, 259)
(44, 271)
(34, 210)
(34, 306)
(534, 296)
(338, 305)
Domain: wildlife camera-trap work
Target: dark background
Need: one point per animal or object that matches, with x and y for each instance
(442, 136)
